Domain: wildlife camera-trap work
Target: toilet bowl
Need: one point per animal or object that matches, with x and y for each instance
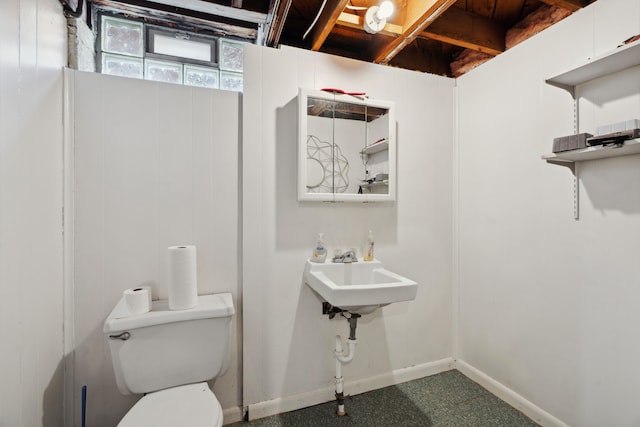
(192, 405)
(169, 355)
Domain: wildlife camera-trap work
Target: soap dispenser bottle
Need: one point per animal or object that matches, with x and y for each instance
(319, 252)
(368, 251)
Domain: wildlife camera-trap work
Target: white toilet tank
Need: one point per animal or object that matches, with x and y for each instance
(166, 348)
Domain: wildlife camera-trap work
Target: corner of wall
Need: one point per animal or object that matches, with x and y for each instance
(68, 343)
(455, 256)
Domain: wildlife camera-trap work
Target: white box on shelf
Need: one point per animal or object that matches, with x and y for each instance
(618, 127)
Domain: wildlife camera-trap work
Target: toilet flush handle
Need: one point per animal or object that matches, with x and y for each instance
(121, 336)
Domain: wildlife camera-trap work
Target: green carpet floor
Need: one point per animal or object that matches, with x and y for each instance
(448, 399)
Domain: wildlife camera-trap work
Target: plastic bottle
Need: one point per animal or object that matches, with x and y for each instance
(368, 251)
(319, 252)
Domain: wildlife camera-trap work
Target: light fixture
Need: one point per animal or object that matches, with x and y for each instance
(376, 17)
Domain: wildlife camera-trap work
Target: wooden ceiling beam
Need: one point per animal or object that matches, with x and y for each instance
(162, 16)
(277, 16)
(357, 22)
(459, 27)
(217, 10)
(419, 15)
(572, 5)
(326, 22)
(424, 55)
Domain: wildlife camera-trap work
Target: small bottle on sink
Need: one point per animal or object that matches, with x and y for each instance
(319, 252)
(368, 251)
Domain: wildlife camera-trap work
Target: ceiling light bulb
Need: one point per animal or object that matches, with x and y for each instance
(385, 10)
(376, 17)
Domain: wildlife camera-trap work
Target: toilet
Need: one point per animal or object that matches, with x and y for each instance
(169, 355)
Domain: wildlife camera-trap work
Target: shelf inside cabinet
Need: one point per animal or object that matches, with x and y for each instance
(374, 184)
(376, 147)
(628, 148)
(620, 59)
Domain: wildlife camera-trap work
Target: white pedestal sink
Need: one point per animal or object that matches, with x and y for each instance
(359, 287)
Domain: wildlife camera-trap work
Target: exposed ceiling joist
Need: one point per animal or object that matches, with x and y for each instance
(355, 21)
(571, 5)
(423, 35)
(326, 22)
(278, 11)
(465, 29)
(419, 15)
(217, 10)
(424, 54)
(185, 16)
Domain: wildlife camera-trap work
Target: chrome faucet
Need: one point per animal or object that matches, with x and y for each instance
(347, 257)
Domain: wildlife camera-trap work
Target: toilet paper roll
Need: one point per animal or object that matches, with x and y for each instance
(138, 300)
(183, 281)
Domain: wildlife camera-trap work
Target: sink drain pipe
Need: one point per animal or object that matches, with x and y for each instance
(344, 357)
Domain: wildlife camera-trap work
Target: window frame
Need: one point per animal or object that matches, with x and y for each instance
(214, 41)
(151, 30)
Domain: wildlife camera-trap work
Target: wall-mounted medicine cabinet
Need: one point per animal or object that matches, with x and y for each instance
(346, 148)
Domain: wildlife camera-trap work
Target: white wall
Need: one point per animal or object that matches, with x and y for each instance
(288, 343)
(156, 165)
(32, 53)
(548, 306)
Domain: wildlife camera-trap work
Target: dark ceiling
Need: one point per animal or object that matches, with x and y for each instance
(435, 36)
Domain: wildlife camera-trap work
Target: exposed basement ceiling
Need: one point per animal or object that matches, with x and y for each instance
(446, 37)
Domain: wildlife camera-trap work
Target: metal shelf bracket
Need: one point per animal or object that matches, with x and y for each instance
(573, 167)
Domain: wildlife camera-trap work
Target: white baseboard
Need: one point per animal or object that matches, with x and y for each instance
(511, 397)
(315, 397)
(232, 415)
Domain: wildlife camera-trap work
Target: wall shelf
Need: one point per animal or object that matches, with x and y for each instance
(376, 148)
(629, 147)
(572, 158)
(620, 59)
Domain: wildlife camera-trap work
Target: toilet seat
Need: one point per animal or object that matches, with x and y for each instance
(192, 405)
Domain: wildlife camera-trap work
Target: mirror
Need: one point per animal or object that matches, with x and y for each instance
(346, 148)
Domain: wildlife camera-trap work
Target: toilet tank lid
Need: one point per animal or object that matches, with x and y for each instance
(209, 306)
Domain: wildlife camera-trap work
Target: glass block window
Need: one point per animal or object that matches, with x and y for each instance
(123, 66)
(135, 49)
(231, 54)
(231, 81)
(163, 71)
(201, 76)
(122, 36)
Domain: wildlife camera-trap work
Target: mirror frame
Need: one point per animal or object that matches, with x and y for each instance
(303, 195)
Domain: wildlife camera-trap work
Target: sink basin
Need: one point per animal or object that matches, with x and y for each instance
(359, 287)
